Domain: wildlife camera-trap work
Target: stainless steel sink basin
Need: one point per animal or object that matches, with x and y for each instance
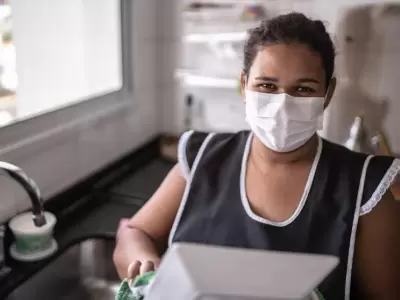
(84, 271)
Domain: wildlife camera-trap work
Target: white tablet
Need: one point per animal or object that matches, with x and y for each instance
(202, 272)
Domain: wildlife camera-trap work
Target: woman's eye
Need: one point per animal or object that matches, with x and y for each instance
(267, 86)
(305, 89)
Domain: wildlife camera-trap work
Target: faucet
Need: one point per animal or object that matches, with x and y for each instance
(31, 188)
(359, 138)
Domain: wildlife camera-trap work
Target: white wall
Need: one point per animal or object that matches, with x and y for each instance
(379, 80)
(75, 154)
(67, 51)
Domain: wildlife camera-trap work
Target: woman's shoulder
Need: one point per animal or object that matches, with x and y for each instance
(380, 172)
(192, 143)
(341, 151)
(342, 154)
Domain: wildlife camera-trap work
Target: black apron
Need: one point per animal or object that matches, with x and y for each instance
(215, 209)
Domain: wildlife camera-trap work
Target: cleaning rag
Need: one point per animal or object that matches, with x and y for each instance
(136, 291)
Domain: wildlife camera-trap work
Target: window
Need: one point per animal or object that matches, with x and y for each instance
(8, 76)
(54, 57)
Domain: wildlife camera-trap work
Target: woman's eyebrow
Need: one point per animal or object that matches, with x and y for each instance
(305, 80)
(267, 78)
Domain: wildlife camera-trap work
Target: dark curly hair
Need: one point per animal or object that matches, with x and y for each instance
(292, 28)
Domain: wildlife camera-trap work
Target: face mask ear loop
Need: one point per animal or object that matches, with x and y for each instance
(329, 86)
(325, 101)
(321, 117)
(246, 79)
(327, 93)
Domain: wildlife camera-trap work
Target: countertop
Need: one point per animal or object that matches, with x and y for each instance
(144, 182)
(96, 215)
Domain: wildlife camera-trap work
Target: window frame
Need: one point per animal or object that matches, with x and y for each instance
(18, 136)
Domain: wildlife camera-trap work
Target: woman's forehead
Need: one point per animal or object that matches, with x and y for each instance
(287, 61)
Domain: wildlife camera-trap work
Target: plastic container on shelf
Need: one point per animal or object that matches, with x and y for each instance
(237, 18)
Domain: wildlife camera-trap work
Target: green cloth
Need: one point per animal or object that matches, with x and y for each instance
(316, 295)
(138, 290)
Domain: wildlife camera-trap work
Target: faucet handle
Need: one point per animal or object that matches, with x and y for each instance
(9, 166)
(31, 188)
(16, 171)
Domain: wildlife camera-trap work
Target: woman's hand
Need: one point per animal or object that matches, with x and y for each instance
(138, 268)
(135, 255)
(124, 226)
(143, 238)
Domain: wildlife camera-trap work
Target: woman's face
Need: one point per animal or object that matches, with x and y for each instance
(291, 69)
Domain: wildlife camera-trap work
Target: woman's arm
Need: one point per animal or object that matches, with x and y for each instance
(145, 236)
(377, 252)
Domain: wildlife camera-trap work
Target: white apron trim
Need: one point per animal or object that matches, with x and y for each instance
(354, 229)
(187, 188)
(382, 187)
(182, 159)
(302, 202)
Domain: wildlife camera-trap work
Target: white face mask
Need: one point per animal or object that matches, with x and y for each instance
(282, 122)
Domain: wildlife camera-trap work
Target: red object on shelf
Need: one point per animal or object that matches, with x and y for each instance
(254, 12)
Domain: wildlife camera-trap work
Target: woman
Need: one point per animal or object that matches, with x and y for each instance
(280, 186)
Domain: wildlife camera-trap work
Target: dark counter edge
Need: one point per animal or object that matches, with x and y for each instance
(72, 204)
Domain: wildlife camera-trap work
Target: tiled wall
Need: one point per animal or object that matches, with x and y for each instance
(75, 154)
(378, 80)
(157, 104)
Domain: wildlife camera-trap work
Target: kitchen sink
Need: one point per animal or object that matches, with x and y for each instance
(84, 271)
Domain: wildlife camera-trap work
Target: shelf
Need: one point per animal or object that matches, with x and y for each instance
(212, 32)
(215, 37)
(236, 26)
(207, 81)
